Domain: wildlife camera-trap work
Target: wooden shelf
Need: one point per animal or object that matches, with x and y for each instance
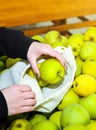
(16, 13)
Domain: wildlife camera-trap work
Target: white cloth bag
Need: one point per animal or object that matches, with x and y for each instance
(48, 97)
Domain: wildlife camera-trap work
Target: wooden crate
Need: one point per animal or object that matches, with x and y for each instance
(14, 13)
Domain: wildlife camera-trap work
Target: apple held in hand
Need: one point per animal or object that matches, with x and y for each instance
(42, 83)
(31, 73)
(52, 71)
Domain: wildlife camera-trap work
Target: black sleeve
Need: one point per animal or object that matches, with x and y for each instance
(3, 108)
(14, 43)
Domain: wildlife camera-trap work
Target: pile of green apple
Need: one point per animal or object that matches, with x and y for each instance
(77, 109)
(6, 62)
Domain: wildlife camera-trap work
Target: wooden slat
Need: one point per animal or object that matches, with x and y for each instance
(60, 28)
(15, 13)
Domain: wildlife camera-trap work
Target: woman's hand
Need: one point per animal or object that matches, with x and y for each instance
(19, 98)
(37, 49)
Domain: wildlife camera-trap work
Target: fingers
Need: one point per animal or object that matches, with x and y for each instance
(24, 88)
(57, 55)
(60, 58)
(29, 95)
(26, 109)
(35, 67)
(53, 53)
(19, 98)
(29, 102)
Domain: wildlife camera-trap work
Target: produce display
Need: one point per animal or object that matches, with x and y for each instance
(77, 110)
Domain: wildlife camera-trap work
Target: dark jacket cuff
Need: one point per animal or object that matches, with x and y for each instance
(3, 107)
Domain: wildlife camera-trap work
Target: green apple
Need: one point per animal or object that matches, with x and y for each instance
(75, 49)
(76, 41)
(11, 61)
(37, 118)
(52, 71)
(79, 64)
(3, 71)
(89, 67)
(90, 34)
(3, 58)
(41, 82)
(55, 117)
(51, 37)
(2, 65)
(39, 38)
(92, 125)
(89, 103)
(78, 70)
(45, 125)
(88, 50)
(20, 124)
(77, 38)
(54, 38)
(64, 40)
(31, 73)
(84, 85)
(74, 114)
(79, 60)
(69, 98)
(57, 43)
(75, 127)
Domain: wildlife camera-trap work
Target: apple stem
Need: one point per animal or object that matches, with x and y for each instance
(60, 75)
